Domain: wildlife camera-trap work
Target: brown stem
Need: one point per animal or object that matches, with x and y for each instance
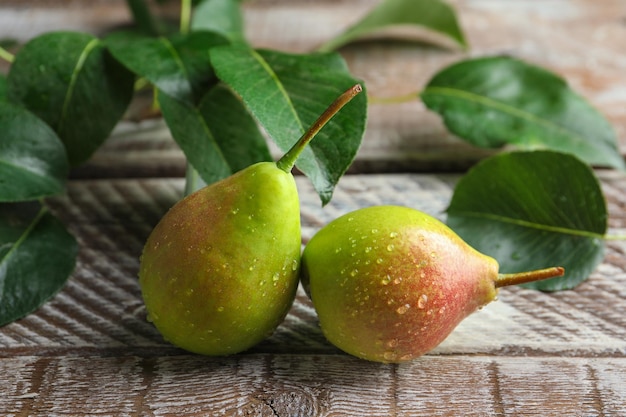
(504, 280)
(288, 160)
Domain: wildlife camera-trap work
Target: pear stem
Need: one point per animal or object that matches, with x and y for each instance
(504, 280)
(288, 160)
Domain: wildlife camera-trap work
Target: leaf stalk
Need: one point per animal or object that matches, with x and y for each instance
(405, 98)
(6, 55)
(185, 16)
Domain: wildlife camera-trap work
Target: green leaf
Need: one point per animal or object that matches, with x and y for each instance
(220, 16)
(498, 100)
(142, 16)
(178, 65)
(286, 93)
(70, 81)
(37, 255)
(33, 162)
(433, 15)
(3, 88)
(531, 210)
(218, 136)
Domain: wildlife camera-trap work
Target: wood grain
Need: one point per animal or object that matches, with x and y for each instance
(312, 385)
(91, 352)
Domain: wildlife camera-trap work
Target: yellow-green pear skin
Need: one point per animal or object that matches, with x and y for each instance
(219, 272)
(390, 283)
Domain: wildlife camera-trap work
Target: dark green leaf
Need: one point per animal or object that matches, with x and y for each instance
(70, 81)
(3, 88)
(33, 162)
(178, 65)
(493, 101)
(142, 16)
(218, 136)
(433, 15)
(8, 43)
(532, 210)
(286, 93)
(221, 16)
(37, 255)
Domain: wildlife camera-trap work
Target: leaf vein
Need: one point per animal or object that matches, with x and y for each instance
(174, 53)
(280, 86)
(529, 224)
(74, 79)
(503, 107)
(21, 240)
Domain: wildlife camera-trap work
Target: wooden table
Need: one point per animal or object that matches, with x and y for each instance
(90, 350)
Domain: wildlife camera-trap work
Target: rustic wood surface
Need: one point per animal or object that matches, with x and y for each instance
(90, 351)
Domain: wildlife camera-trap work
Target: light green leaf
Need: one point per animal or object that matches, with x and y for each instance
(37, 255)
(286, 93)
(498, 100)
(532, 210)
(433, 15)
(70, 81)
(33, 162)
(220, 16)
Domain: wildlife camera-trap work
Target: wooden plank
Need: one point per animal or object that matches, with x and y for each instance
(311, 385)
(510, 387)
(90, 350)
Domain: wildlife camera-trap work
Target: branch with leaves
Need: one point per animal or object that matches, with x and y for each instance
(222, 99)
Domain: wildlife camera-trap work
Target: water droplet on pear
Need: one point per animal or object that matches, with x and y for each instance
(427, 271)
(251, 223)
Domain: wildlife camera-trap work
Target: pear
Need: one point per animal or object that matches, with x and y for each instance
(390, 283)
(219, 272)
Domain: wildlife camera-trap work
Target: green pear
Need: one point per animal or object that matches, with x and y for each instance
(390, 283)
(219, 272)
